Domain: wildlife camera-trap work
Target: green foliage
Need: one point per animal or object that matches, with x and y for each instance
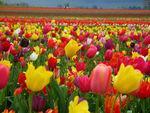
(3, 3)
(59, 5)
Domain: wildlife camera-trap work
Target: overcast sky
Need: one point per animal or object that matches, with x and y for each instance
(89, 3)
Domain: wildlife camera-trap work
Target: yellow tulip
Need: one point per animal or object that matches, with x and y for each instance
(148, 55)
(37, 79)
(135, 54)
(6, 63)
(53, 21)
(37, 50)
(71, 48)
(75, 107)
(35, 36)
(127, 79)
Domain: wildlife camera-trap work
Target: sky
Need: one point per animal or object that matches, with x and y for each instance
(100, 3)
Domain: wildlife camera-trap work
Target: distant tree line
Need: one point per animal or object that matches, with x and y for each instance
(15, 4)
(146, 5)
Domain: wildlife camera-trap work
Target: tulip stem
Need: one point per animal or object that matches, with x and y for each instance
(127, 103)
(143, 105)
(133, 107)
(97, 104)
(30, 102)
(114, 102)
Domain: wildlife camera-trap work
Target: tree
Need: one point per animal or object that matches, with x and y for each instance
(66, 4)
(94, 7)
(59, 5)
(3, 3)
(23, 4)
(146, 4)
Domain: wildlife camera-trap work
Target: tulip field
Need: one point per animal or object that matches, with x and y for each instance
(74, 65)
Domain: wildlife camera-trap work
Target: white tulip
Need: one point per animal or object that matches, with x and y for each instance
(33, 56)
(89, 40)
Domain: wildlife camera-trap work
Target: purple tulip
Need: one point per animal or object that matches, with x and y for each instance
(38, 103)
(98, 47)
(16, 59)
(76, 81)
(109, 44)
(7, 32)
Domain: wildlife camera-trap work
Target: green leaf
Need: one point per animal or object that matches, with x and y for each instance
(59, 93)
(50, 99)
(92, 107)
(19, 105)
(64, 89)
(2, 96)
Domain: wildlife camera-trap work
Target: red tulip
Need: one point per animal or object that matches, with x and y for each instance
(52, 62)
(80, 66)
(122, 32)
(84, 84)
(4, 75)
(28, 35)
(108, 54)
(144, 91)
(51, 43)
(91, 51)
(6, 46)
(144, 51)
(100, 79)
(61, 51)
(53, 34)
(13, 52)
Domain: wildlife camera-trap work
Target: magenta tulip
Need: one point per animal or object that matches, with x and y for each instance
(84, 84)
(91, 51)
(108, 54)
(80, 66)
(4, 75)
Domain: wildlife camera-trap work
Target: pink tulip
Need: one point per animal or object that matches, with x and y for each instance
(84, 84)
(100, 79)
(91, 51)
(80, 66)
(81, 38)
(108, 54)
(146, 40)
(4, 75)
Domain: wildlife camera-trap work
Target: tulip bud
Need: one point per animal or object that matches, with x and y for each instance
(24, 43)
(52, 62)
(76, 81)
(4, 75)
(80, 66)
(33, 56)
(84, 84)
(38, 103)
(100, 79)
(91, 52)
(108, 54)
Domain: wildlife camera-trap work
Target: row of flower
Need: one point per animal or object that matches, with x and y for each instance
(67, 9)
(78, 21)
(73, 14)
(74, 68)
